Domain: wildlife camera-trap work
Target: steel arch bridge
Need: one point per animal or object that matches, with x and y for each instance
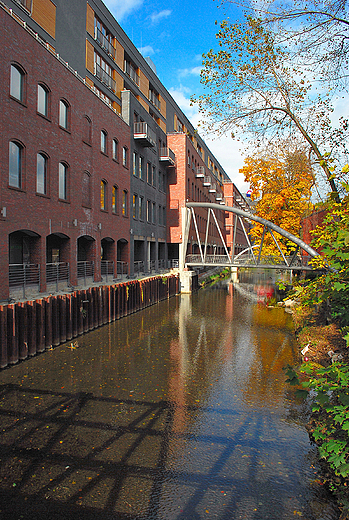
(251, 257)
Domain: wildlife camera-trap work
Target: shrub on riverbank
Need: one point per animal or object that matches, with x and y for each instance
(322, 325)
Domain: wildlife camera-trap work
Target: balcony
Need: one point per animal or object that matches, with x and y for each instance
(104, 43)
(219, 197)
(207, 181)
(200, 172)
(131, 71)
(212, 189)
(167, 156)
(153, 98)
(104, 77)
(144, 135)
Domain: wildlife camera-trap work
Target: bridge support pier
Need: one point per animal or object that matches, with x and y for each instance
(188, 281)
(234, 274)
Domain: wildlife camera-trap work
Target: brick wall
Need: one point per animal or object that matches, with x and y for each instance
(44, 215)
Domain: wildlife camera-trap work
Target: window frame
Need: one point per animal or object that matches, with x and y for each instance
(103, 195)
(66, 125)
(44, 181)
(115, 150)
(124, 203)
(19, 165)
(125, 156)
(104, 142)
(114, 199)
(65, 166)
(22, 84)
(43, 88)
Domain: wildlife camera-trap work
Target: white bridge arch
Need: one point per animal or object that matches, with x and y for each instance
(251, 257)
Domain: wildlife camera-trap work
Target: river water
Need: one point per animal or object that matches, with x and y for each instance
(179, 412)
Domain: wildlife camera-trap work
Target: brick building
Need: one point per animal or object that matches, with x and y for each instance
(91, 111)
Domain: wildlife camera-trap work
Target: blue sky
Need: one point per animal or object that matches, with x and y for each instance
(175, 35)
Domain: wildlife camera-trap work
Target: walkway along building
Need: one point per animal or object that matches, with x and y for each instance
(98, 160)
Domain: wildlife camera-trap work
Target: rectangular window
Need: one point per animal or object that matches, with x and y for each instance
(141, 168)
(135, 163)
(149, 171)
(148, 211)
(141, 208)
(134, 206)
(153, 175)
(153, 213)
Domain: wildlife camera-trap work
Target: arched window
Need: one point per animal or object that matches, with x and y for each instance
(124, 203)
(125, 156)
(86, 189)
(87, 130)
(15, 164)
(104, 141)
(114, 199)
(17, 82)
(103, 195)
(41, 174)
(115, 149)
(43, 94)
(62, 181)
(63, 114)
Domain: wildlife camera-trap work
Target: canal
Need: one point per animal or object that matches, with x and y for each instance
(179, 412)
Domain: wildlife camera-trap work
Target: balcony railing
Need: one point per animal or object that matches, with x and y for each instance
(154, 99)
(104, 77)
(104, 43)
(166, 155)
(200, 172)
(207, 181)
(131, 72)
(144, 134)
(212, 188)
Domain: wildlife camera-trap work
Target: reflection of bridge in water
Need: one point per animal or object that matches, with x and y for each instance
(252, 256)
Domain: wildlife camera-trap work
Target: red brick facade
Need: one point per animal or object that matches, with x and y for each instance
(43, 224)
(185, 185)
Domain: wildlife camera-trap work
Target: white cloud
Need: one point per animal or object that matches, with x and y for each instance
(194, 71)
(121, 8)
(156, 17)
(147, 50)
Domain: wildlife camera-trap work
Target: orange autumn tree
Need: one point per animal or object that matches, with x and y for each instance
(281, 187)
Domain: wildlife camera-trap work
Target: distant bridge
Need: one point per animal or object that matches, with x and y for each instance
(252, 256)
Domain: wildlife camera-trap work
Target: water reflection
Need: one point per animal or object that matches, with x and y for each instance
(177, 412)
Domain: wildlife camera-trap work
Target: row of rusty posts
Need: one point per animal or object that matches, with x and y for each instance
(31, 327)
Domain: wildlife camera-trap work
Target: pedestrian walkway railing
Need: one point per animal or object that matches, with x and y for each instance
(86, 271)
(58, 273)
(121, 269)
(107, 270)
(24, 276)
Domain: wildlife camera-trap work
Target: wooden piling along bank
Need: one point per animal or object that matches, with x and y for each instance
(31, 327)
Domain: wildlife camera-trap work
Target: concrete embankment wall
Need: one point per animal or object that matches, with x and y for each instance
(28, 328)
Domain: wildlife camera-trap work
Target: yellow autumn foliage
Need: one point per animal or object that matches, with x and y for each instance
(281, 187)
